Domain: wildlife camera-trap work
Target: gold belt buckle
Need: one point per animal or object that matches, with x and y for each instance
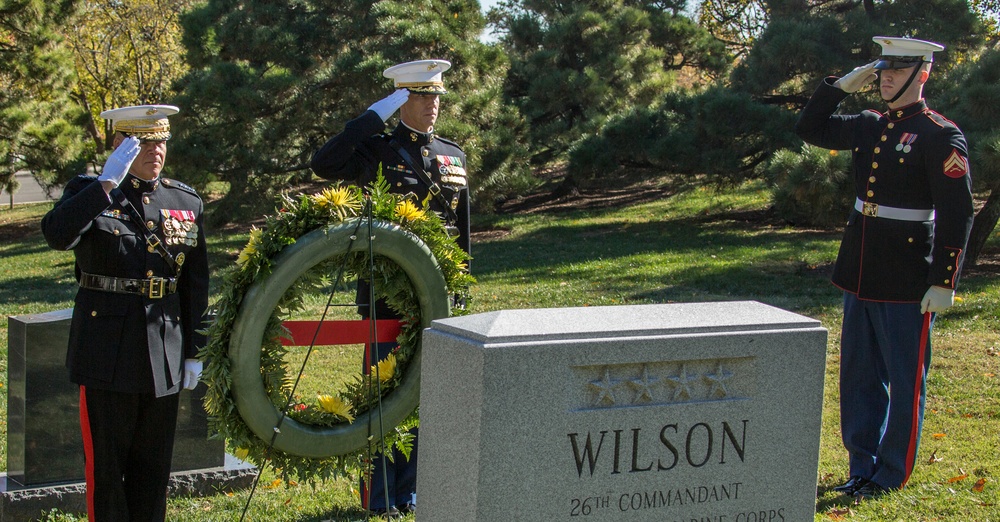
(870, 209)
(156, 287)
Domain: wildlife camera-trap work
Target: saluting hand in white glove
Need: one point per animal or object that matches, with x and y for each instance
(937, 299)
(858, 78)
(388, 106)
(192, 372)
(120, 160)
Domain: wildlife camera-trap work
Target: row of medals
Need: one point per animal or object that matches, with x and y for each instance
(177, 232)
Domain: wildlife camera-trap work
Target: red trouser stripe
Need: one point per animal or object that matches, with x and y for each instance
(366, 478)
(88, 452)
(915, 421)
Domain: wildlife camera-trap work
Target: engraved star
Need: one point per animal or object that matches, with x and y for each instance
(605, 387)
(718, 380)
(642, 386)
(681, 381)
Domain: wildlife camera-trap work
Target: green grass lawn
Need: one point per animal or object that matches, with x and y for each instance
(689, 244)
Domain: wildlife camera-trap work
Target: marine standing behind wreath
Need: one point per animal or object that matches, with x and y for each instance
(142, 268)
(417, 162)
(900, 256)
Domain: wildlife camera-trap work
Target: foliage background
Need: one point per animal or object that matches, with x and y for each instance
(271, 82)
(563, 95)
(125, 52)
(40, 126)
(704, 92)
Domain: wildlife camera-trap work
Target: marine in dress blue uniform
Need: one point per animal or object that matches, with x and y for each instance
(133, 335)
(417, 162)
(900, 256)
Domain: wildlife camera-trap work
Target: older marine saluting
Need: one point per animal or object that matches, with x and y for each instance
(142, 268)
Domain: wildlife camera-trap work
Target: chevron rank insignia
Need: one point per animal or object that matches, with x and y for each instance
(956, 165)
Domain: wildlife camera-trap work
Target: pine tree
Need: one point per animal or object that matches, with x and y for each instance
(576, 64)
(738, 23)
(272, 80)
(732, 128)
(967, 95)
(801, 45)
(40, 127)
(717, 131)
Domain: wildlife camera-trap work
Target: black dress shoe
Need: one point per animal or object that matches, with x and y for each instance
(389, 513)
(407, 508)
(870, 490)
(851, 486)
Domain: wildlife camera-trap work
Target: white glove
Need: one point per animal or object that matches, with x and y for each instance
(388, 106)
(937, 299)
(120, 160)
(858, 78)
(192, 372)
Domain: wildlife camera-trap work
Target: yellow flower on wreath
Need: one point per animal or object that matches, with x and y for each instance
(335, 405)
(251, 248)
(338, 200)
(408, 212)
(386, 368)
(450, 257)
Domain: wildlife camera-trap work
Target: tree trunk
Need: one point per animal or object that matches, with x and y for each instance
(91, 126)
(869, 8)
(982, 227)
(568, 187)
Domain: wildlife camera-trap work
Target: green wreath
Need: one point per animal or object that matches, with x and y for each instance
(312, 236)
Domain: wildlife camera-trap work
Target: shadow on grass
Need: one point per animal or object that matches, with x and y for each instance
(731, 257)
(347, 514)
(27, 248)
(827, 499)
(36, 289)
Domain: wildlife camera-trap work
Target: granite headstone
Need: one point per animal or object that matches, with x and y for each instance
(44, 445)
(676, 412)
